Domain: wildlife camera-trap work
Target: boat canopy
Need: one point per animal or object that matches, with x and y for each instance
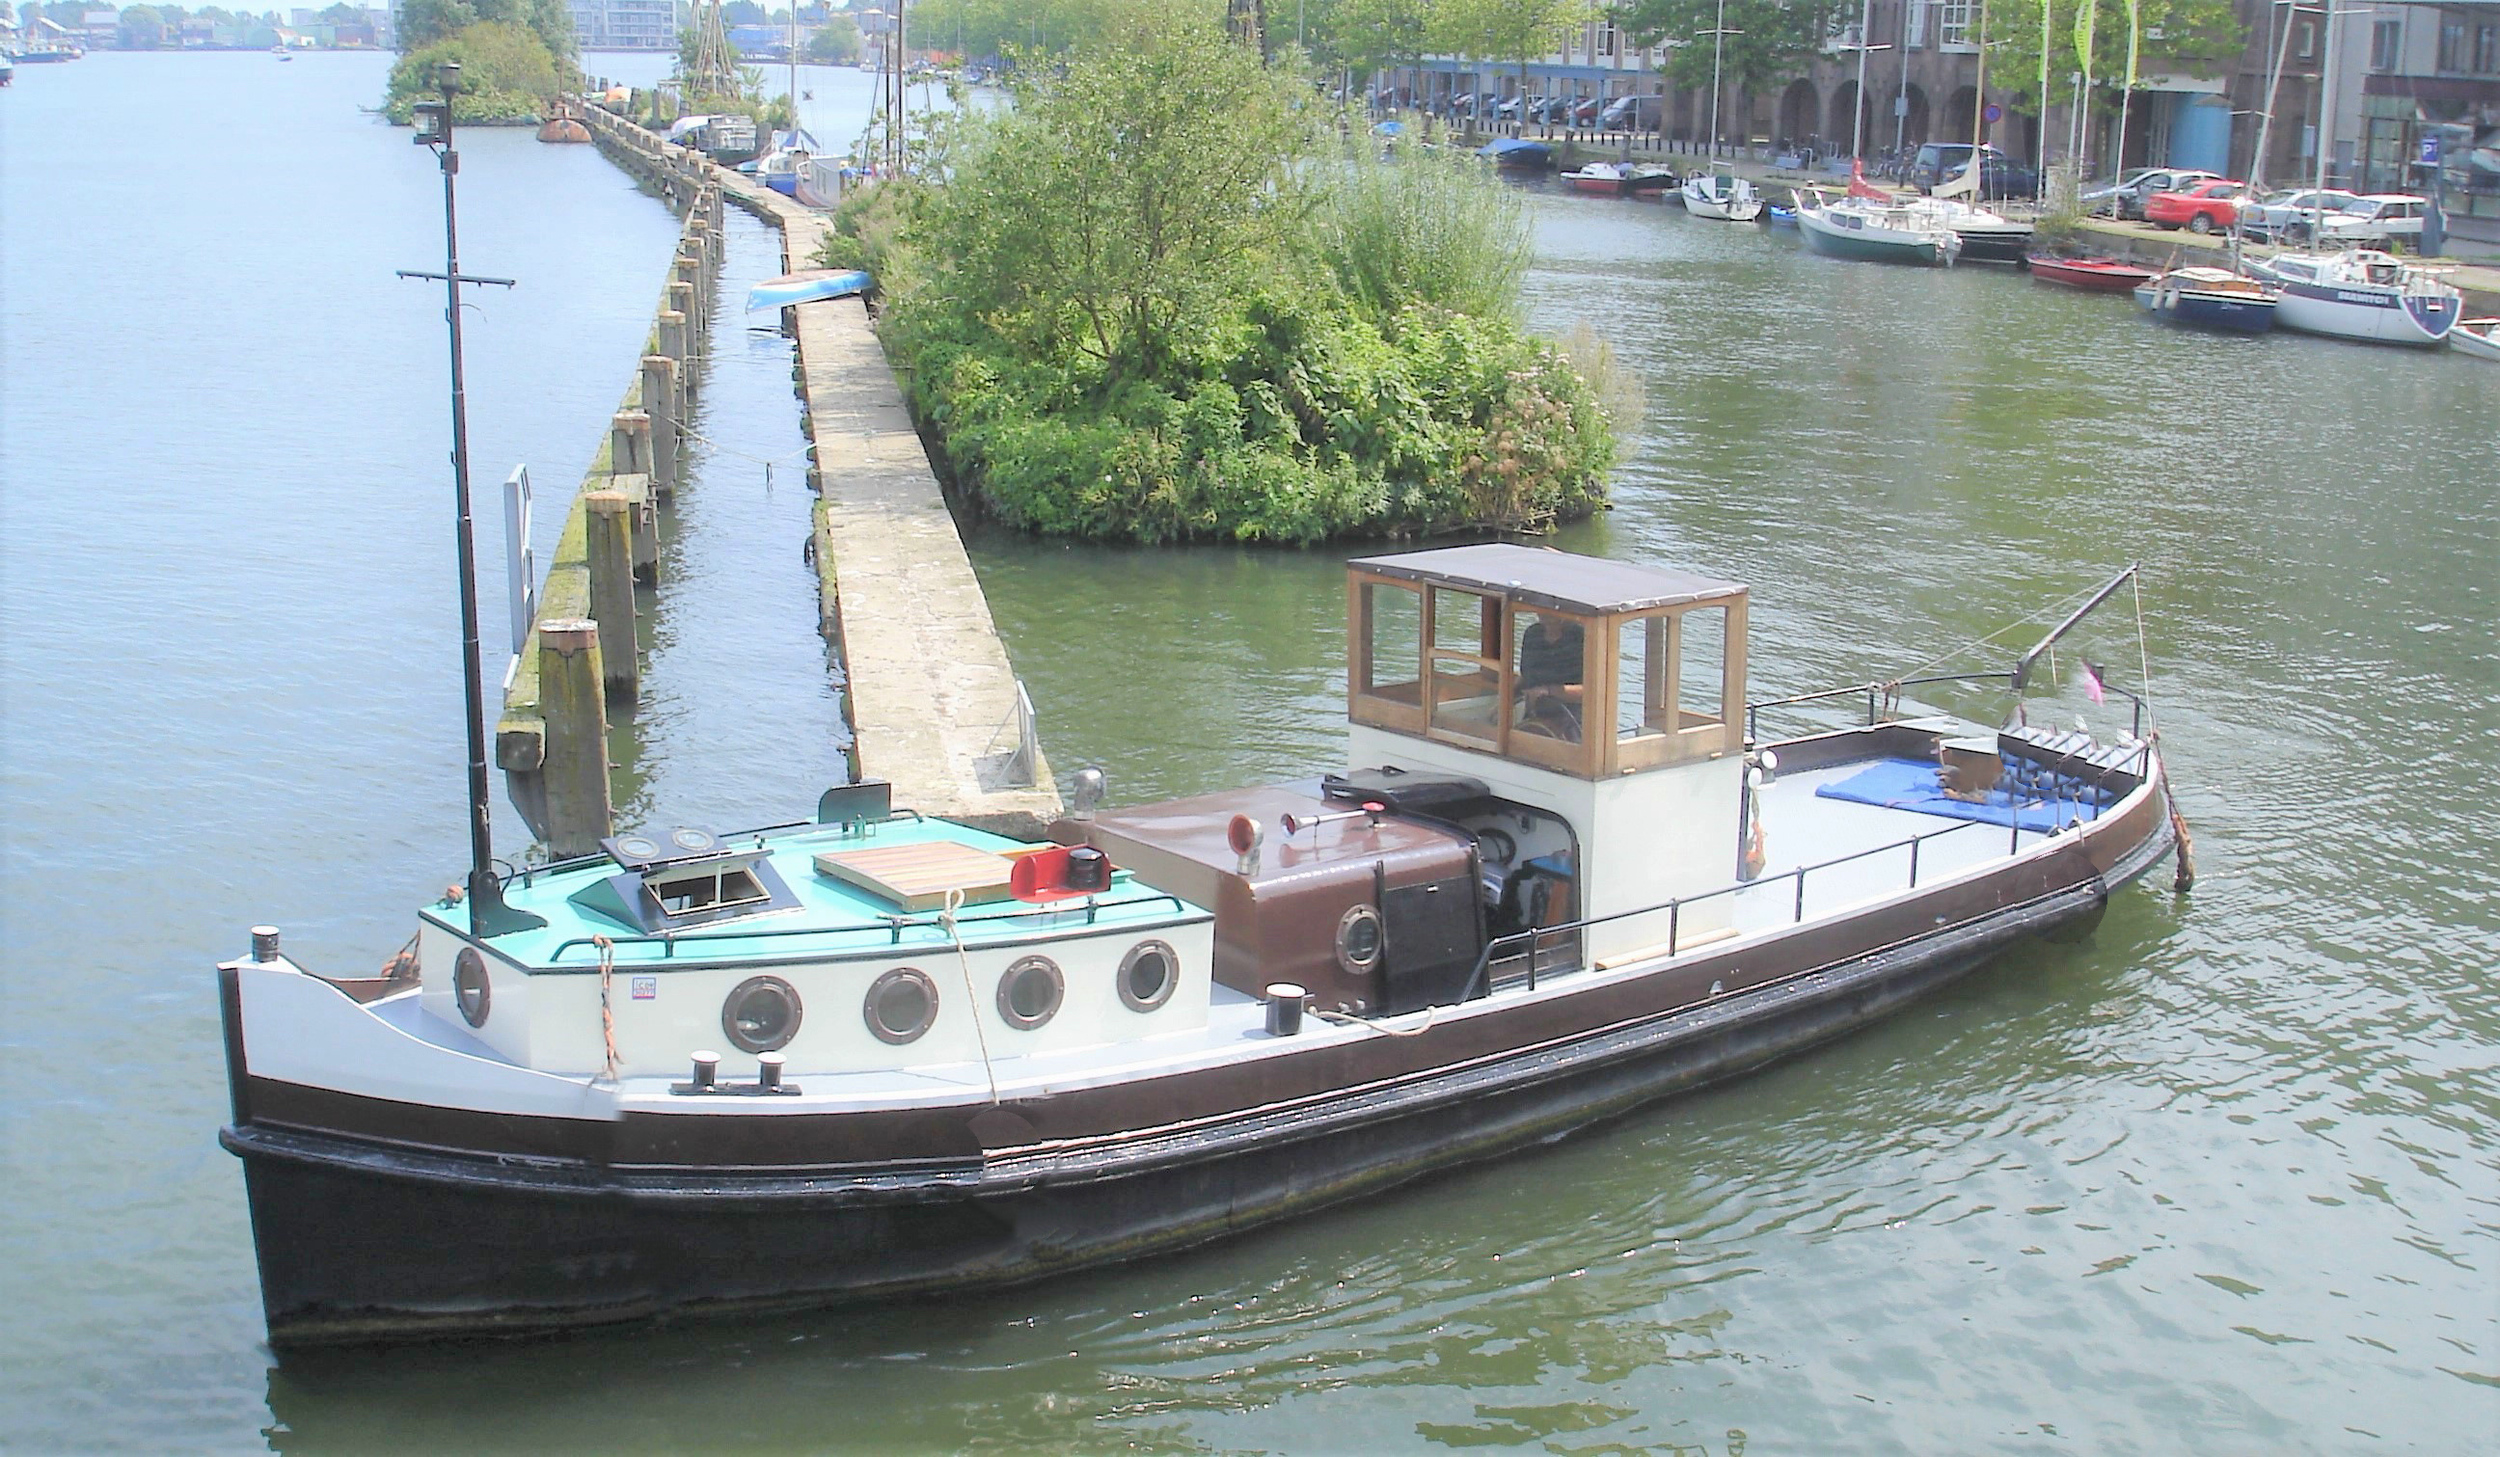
(1587, 667)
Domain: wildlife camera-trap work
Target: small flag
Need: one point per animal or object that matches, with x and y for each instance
(2092, 676)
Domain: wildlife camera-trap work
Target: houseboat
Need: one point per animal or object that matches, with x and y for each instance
(1558, 875)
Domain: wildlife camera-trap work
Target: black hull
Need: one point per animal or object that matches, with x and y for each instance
(359, 1242)
(1995, 247)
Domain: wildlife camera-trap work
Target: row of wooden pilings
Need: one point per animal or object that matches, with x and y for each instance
(581, 659)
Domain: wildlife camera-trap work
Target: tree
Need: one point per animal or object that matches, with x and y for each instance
(1507, 30)
(1768, 40)
(834, 43)
(506, 74)
(742, 12)
(2172, 35)
(1364, 36)
(423, 23)
(1157, 298)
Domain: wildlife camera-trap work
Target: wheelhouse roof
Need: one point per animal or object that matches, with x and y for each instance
(1536, 576)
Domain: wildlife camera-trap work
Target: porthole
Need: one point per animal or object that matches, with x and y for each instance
(470, 986)
(1147, 976)
(901, 1005)
(1359, 939)
(762, 1015)
(1030, 992)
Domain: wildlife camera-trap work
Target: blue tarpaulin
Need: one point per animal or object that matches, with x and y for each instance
(1912, 784)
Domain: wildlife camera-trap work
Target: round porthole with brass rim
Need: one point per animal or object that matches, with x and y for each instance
(1360, 938)
(761, 1015)
(470, 986)
(1148, 975)
(1030, 992)
(900, 1005)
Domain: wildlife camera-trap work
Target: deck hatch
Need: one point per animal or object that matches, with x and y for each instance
(702, 890)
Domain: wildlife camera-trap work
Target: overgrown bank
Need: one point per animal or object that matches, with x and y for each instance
(1164, 297)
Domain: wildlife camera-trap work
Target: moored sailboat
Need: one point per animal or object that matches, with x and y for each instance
(1722, 197)
(2363, 294)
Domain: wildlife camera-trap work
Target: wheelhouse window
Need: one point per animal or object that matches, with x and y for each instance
(1675, 673)
(1466, 663)
(1387, 671)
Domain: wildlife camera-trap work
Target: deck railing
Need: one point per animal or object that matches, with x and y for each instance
(1533, 946)
(890, 926)
(1878, 694)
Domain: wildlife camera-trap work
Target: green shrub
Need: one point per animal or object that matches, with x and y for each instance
(507, 74)
(1154, 301)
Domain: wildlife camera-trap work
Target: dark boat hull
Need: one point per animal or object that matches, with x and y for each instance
(364, 1240)
(1994, 245)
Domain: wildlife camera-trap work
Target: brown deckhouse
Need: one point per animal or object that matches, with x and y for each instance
(1558, 875)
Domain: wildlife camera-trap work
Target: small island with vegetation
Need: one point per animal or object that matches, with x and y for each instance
(1170, 293)
(516, 57)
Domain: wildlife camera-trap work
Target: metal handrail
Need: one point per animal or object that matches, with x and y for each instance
(892, 927)
(1529, 941)
(1891, 689)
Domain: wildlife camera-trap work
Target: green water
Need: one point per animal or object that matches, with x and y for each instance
(2220, 1179)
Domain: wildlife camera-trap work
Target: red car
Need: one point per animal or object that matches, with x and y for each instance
(2200, 209)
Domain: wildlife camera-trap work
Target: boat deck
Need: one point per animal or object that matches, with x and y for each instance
(1845, 854)
(827, 916)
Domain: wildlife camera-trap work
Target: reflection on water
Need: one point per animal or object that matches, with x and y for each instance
(2220, 1177)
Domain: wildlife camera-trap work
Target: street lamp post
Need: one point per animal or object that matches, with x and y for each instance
(488, 915)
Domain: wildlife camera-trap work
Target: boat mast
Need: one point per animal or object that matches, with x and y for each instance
(2326, 112)
(488, 915)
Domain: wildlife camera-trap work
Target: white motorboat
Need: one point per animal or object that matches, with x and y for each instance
(2477, 339)
(1722, 196)
(2361, 293)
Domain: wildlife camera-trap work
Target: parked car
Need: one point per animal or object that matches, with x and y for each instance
(2127, 195)
(1632, 114)
(2199, 209)
(2290, 213)
(1999, 175)
(2377, 220)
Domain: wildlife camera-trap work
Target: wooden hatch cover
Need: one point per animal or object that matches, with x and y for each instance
(917, 877)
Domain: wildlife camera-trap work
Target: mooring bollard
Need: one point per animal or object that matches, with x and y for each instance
(629, 443)
(681, 304)
(574, 704)
(611, 543)
(673, 344)
(659, 401)
(646, 523)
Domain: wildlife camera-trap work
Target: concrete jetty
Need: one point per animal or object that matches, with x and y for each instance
(934, 704)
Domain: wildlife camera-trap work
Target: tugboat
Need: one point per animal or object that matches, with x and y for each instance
(1558, 875)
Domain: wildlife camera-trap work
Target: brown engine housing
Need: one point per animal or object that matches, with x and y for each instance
(1282, 922)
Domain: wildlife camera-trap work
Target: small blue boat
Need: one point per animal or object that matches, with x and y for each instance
(1518, 153)
(2208, 298)
(806, 287)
